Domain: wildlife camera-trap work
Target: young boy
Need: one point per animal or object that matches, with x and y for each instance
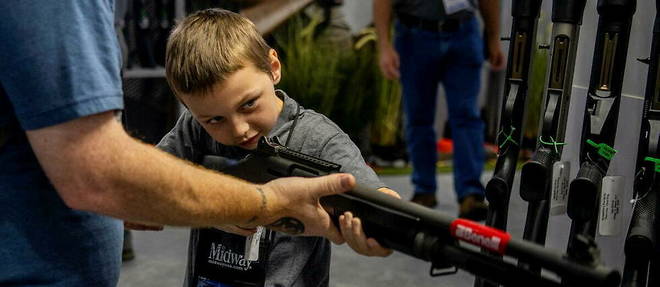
(224, 73)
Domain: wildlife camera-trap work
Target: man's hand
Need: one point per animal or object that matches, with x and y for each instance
(496, 57)
(292, 205)
(351, 229)
(490, 12)
(388, 60)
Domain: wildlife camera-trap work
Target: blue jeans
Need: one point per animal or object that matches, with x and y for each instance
(453, 59)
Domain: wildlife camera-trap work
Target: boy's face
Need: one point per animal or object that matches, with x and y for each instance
(242, 109)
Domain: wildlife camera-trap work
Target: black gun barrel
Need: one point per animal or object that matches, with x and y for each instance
(382, 210)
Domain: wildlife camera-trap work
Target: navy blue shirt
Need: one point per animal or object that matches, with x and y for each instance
(59, 60)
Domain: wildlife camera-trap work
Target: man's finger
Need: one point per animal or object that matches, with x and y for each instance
(392, 71)
(396, 61)
(335, 183)
(397, 65)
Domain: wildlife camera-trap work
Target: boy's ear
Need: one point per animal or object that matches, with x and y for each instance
(275, 66)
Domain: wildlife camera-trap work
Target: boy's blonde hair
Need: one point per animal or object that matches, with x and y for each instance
(208, 46)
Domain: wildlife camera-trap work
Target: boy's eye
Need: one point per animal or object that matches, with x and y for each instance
(249, 104)
(214, 120)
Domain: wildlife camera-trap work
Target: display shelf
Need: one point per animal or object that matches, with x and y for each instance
(268, 15)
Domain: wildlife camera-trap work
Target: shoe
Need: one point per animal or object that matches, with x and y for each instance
(425, 199)
(127, 255)
(473, 207)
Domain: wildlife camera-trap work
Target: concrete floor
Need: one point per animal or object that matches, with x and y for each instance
(161, 256)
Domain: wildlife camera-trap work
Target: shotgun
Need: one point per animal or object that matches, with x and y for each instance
(599, 128)
(523, 38)
(422, 232)
(536, 174)
(641, 247)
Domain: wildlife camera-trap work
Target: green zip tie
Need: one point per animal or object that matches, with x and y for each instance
(604, 150)
(656, 161)
(552, 143)
(508, 138)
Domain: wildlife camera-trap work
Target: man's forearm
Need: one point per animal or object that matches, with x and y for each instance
(96, 166)
(382, 20)
(490, 12)
(162, 188)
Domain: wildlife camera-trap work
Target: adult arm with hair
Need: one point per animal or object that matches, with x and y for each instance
(95, 166)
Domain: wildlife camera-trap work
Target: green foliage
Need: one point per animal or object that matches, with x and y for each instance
(310, 71)
(344, 84)
(387, 94)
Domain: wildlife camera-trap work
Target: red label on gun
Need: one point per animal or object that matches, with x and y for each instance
(477, 234)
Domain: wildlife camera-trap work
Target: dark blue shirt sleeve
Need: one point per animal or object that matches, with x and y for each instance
(59, 60)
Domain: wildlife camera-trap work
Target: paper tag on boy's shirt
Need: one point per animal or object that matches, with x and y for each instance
(560, 182)
(252, 245)
(609, 218)
(453, 6)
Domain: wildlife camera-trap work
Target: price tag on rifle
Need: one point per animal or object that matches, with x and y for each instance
(561, 171)
(609, 218)
(453, 6)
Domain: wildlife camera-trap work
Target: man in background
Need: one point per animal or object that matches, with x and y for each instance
(440, 42)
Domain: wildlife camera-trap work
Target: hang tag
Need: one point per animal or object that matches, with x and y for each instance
(453, 6)
(561, 171)
(252, 245)
(611, 199)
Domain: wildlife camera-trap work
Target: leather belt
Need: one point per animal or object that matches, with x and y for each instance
(448, 25)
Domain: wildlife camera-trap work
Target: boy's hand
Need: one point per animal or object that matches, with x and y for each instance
(351, 229)
(142, 226)
(292, 205)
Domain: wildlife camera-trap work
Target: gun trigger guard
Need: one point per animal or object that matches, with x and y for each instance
(444, 271)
